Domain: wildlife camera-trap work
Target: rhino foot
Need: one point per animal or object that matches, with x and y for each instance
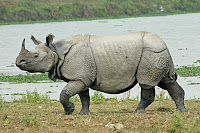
(84, 112)
(139, 111)
(68, 108)
(181, 109)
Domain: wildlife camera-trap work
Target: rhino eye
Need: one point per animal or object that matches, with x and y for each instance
(36, 55)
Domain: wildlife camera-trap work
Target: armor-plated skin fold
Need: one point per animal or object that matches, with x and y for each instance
(111, 64)
(116, 59)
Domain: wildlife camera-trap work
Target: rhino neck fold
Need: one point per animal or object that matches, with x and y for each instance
(52, 48)
(53, 71)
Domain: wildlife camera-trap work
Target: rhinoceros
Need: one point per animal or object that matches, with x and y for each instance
(110, 64)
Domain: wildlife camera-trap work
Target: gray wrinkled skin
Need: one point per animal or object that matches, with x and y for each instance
(112, 64)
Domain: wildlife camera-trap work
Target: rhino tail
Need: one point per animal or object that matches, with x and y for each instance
(171, 71)
(172, 74)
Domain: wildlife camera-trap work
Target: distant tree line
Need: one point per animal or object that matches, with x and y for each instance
(36, 10)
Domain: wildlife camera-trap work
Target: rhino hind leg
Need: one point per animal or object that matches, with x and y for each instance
(147, 97)
(85, 100)
(176, 92)
(71, 89)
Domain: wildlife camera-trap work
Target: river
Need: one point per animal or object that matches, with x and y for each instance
(180, 32)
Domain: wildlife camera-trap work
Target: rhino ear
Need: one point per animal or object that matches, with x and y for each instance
(49, 39)
(36, 42)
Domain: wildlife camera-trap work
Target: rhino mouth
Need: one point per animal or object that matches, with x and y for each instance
(22, 62)
(30, 67)
(23, 65)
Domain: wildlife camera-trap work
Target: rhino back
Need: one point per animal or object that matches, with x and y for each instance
(116, 59)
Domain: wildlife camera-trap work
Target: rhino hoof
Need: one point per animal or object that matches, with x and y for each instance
(68, 112)
(139, 111)
(69, 108)
(84, 112)
(182, 109)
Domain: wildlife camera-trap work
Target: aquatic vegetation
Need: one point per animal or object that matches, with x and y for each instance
(15, 94)
(187, 71)
(193, 83)
(29, 78)
(197, 61)
(183, 49)
(11, 66)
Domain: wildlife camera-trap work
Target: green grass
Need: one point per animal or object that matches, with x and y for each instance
(37, 113)
(56, 10)
(33, 97)
(175, 123)
(50, 117)
(187, 71)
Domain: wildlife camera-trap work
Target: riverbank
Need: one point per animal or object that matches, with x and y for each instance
(21, 11)
(106, 116)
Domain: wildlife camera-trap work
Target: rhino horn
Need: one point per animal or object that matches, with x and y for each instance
(49, 39)
(36, 42)
(23, 45)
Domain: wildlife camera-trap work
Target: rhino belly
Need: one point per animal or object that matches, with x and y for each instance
(116, 64)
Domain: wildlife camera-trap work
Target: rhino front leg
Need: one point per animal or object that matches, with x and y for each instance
(147, 97)
(85, 99)
(176, 92)
(71, 89)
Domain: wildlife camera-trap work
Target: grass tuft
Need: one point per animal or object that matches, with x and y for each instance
(33, 97)
(98, 97)
(175, 123)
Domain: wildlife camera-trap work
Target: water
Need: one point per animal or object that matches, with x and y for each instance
(10, 92)
(180, 32)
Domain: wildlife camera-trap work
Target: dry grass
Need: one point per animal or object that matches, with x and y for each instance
(50, 118)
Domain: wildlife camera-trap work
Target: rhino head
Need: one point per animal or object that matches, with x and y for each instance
(42, 59)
